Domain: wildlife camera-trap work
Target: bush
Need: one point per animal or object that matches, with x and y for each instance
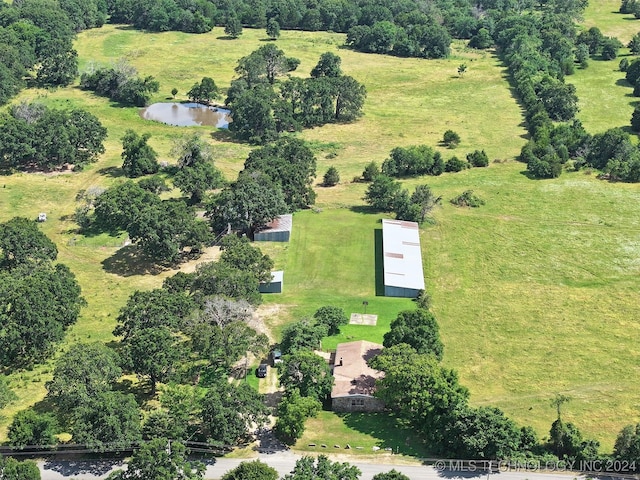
(454, 164)
(331, 177)
(370, 172)
(478, 158)
(467, 199)
(451, 139)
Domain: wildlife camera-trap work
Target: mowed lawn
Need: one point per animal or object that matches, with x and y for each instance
(535, 292)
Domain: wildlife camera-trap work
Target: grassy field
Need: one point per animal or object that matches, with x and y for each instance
(535, 292)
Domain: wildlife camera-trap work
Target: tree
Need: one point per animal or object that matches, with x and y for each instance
(311, 468)
(43, 302)
(149, 324)
(390, 475)
(273, 29)
(81, 373)
(307, 372)
(164, 231)
(238, 252)
(12, 469)
(451, 139)
(139, 157)
(160, 459)
(196, 180)
(266, 63)
(229, 412)
(627, 446)
(204, 91)
(462, 69)
(478, 158)
(635, 119)
(6, 394)
(247, 205)
(610, 47)
(425, 201)
(370, 172)
(328, 66)
(253, 115)
(232, 26)
(118, 207)
(331, 177)
(110, 420)
(484, 433)
(292, 165)
(417, 328)
(174, 92)
(481, 40)
(255, 470)
(349, 99)
(304, 334)
(454, 164)
(293, 411)
(21, 242)
(420, 390)
(332, 318)
(32, 428)
(382, 192)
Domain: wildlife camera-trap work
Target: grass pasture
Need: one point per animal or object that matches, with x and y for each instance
(535, 293)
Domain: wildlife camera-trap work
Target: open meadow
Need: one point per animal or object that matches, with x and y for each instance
(535, 292)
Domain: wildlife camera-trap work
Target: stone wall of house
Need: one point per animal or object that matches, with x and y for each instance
(357, 403)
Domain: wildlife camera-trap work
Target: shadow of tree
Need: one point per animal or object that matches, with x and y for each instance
(130, 260)
(79, 465)
(113, 172)
(388, 431)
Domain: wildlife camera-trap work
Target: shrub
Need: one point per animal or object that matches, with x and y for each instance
(478, 158)
(331, 177)
(370, 172)
(451, 139)
(467, 199)
(454, 164)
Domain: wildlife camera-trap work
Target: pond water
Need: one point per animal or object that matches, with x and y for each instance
(187, 114)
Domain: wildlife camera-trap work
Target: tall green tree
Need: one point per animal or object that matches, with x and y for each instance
(255, 470)
(291, 164)
(139, 158)
(332, 318)
(21, 242)
(160, 459)
(293, 411)
(307, 372)
(417, 328)
(108, 421)
(81, 373)
(246, 205)
(230, 412)
(31, 428)
(311, 468)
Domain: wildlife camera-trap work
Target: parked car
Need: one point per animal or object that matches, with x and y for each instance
(261, 371)
(276, 357)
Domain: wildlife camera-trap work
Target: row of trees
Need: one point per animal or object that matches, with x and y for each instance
(120, 83)
(35, 46)
(423, 160)
(35, 136)
(429, 397)
(264, 107)
(40, 299)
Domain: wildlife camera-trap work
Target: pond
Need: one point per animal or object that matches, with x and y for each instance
(187, 114)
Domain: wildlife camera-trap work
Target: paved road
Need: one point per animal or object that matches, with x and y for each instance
(284, 462)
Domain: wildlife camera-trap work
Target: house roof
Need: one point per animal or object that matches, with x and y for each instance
(402, 256)
(283, 223)
(354, 376)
